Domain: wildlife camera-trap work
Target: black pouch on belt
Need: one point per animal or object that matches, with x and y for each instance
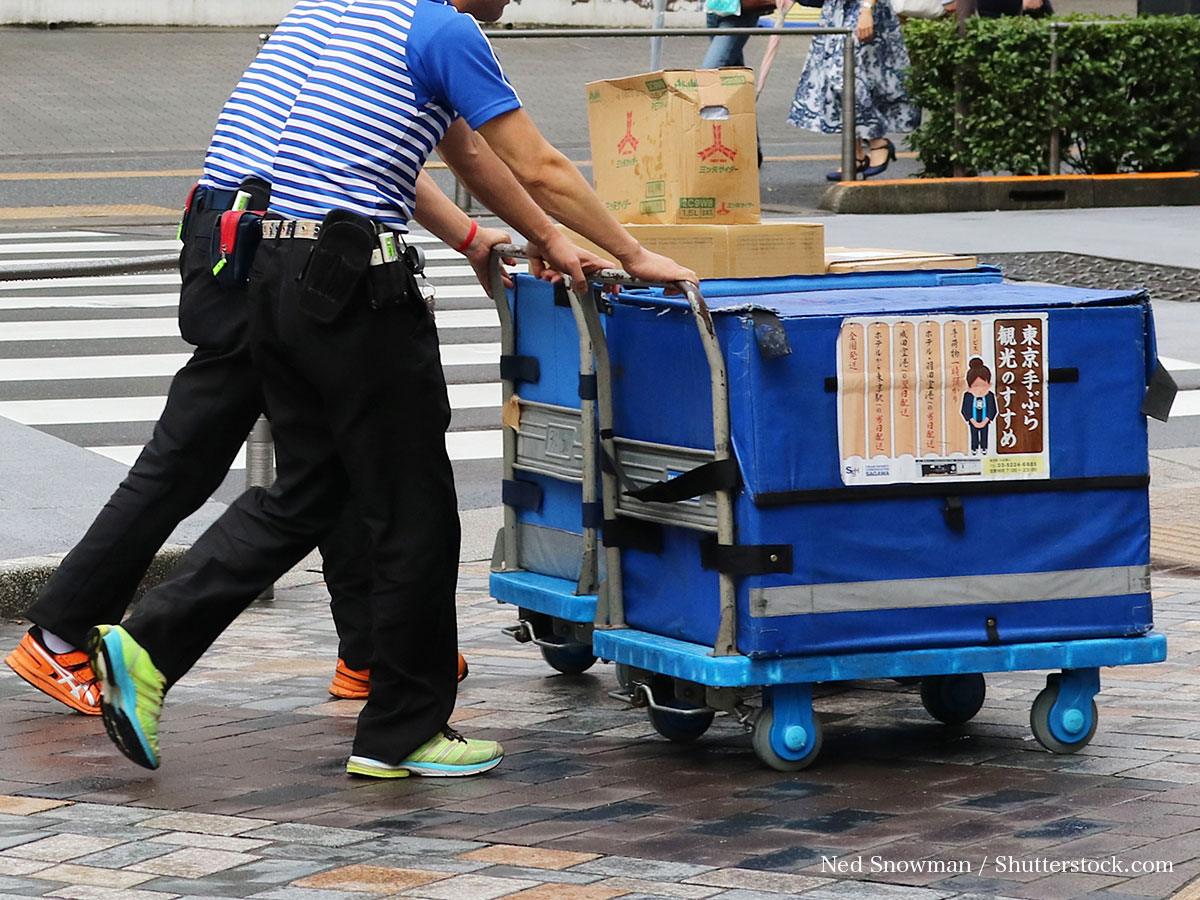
(339, 262)
(236, 236)
(392, 282)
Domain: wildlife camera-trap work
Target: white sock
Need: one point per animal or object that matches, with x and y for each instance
(55, 644)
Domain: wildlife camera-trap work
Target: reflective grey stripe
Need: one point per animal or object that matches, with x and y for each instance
(964, 590)
(550, 551)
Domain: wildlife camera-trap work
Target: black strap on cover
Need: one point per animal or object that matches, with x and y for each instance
(633, 534)
(1160, 393)
(587, 387)
(993, 632)
(520, 368)
(952, 512)
(746, 559)
(959, 489)
(593, 515)
(521, 494)
(769, 333)
(719, 475)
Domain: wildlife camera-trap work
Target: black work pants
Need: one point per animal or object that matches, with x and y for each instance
(212, 403)
(358, 410)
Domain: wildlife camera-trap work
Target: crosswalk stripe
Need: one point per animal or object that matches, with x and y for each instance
(460, 445)
(88, 329)
(50, 235)
(1178, 365)
(1187, 403)
(92, 301)
(96, 248)
(97, 410)
(96, 282)
(70, 368)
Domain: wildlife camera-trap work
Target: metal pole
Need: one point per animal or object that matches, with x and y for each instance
(1055, 166)
(660, 13)
(965, 8)
(260, 468)
(462, 197)
(849, 124)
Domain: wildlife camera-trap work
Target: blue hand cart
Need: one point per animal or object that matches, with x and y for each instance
(730, 577)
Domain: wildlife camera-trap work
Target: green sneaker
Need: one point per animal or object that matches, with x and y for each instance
(446, 755)
(131, 692)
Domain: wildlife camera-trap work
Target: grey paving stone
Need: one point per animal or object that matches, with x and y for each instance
(641, 868)
(418, 846)
(97, 812)
(16, 839)
(870, 890)
(320, 835)
(124, 855)
(294, 893)
(26, 887)
(332, 856)
(550, 876)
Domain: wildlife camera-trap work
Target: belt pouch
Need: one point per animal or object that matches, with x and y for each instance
(339, 261)
(392, 283)
(236, 235)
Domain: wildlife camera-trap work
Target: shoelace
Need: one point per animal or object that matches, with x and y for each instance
(453, 735)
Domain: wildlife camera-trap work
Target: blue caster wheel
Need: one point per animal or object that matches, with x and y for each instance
(798, 748)
(953, 699)
(1068, 731)
(569, 658)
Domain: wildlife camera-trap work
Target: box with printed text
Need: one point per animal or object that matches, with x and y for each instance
(676, 147)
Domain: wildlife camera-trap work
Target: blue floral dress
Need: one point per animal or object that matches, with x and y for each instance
(881, 105)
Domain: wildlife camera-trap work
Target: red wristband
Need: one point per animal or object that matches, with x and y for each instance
(470, 237)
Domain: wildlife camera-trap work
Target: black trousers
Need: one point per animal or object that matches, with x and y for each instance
(212, 403)
(358, 410)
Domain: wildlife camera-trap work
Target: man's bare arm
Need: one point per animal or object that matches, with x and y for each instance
(558, 188)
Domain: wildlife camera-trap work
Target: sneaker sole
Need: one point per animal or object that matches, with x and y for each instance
(358, 765)
(442, 770)
(48, 686)
(120, 718)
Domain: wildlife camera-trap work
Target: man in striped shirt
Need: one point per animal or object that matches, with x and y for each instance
(351, 369)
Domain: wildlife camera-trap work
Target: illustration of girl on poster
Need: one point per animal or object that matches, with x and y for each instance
(978, 405)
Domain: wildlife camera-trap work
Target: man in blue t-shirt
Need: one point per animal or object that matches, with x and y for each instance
(348, 357)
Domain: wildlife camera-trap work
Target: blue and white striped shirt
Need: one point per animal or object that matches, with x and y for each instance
(374, 97)
(248, 128)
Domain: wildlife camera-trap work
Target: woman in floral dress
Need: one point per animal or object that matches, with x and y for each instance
(881, 104)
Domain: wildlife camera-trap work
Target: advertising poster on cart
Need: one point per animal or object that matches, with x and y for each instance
(942, 398)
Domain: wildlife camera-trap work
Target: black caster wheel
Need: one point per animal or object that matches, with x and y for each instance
(953, 699)
(569, 658)
(681, 727)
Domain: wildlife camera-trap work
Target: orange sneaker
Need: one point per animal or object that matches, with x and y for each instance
(355, 684)
(67, 677)
(350, 684)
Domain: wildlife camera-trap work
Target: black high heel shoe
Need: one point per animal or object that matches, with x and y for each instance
(870, 170)
(860, 167)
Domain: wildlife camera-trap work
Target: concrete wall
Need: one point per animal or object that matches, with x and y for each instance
(608, 13)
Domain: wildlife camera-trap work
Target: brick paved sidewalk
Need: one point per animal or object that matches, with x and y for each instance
(590, 803)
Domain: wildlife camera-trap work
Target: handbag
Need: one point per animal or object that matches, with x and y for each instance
(918, 9)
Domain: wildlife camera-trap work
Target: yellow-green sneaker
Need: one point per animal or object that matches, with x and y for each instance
(131, 692)
(446, 755)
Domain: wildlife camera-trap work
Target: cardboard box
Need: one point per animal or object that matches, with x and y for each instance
(847, 259)
(733, 251)
(676, 147)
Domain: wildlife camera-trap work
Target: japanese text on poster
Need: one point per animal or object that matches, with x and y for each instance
(959, 398)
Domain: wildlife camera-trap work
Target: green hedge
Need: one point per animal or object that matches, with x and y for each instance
(1126, 96)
